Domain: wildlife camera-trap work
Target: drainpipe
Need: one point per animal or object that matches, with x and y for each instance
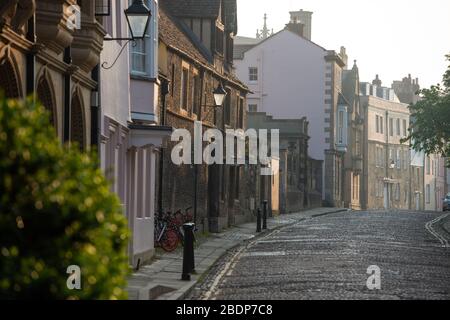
(67, 86)
(387, 130)
(164, 91)
(96, 110)
(30, 57)
(196, 165)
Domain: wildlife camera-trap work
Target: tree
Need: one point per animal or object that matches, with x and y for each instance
(56, 211)
(430, 131)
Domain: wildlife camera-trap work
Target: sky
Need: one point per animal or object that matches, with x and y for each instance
(392, 38)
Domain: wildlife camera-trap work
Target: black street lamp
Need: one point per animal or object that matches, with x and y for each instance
(138, 18)
(219, 95)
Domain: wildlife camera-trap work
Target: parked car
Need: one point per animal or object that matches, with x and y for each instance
(446, 205)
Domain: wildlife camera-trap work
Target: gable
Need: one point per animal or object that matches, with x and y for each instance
(284, 40)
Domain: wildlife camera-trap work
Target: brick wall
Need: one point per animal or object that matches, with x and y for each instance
(219, 205)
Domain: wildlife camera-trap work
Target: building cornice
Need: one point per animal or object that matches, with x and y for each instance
(78, 75)
(9, 37)
(333, 56)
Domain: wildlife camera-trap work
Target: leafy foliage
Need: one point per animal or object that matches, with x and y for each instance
(430, 131)
(56, 210)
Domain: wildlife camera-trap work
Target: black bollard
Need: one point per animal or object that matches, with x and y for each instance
(258, 221)
(265, 215)
(188, 252)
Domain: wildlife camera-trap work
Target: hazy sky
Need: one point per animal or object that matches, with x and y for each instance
(388, 37)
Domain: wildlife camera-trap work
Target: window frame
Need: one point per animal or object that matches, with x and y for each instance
(104, 13)
(142, 53)
(342, 126)
(253, 105)
(195, 94)
(227, 119)
(391, 127)
(381, 125)
(150, 45)
(184, 87)
(253, 74)
(377, 126)
(240, 112)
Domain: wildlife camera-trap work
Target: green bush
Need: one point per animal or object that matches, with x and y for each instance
(56, 210)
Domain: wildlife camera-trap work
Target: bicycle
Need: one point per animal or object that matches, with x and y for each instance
(168, 229)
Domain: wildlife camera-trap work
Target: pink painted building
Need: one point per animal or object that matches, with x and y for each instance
(130, 135)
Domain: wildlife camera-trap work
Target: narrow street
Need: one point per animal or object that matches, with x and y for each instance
(328, 258)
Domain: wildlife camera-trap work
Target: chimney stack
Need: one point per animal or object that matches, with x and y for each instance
(296, 28)
(344, 57)
(304, 18)
(377, 81)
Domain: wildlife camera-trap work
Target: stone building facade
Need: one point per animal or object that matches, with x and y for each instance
(40, 53)
(434, 182)
(336, 128)
(57, 49)
(429, 193)
(194, 58)
(300, 177)
(407, 89)
(387, 170)
(353, 159)
(417, 196)
(292, 76)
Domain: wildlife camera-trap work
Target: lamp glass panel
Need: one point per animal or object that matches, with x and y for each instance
(219, 98)
(138, 25)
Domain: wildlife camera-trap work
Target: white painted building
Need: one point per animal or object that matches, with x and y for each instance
(292, 77)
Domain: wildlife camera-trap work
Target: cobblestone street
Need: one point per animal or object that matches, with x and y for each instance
(327, 258)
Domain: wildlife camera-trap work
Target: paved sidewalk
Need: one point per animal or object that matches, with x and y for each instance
(446, 225)
(161, 279)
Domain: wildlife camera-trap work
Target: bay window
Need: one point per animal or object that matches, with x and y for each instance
(144, 53)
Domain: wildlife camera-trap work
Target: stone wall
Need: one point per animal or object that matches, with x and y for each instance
(222, 190)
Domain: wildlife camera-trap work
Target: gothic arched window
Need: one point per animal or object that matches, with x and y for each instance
(77, 126)
(44, 95)
(8, 80)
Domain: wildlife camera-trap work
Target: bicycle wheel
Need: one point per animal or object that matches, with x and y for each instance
(178, 219)
(169, 241)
